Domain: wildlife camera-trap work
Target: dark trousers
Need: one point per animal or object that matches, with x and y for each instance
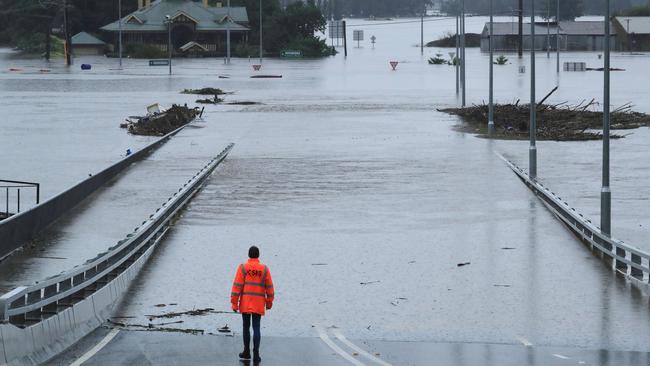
(256, 331)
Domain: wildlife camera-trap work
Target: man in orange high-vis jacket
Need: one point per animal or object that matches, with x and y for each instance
(252, 293)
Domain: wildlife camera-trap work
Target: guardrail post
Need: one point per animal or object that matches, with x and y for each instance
(621, 266)
(635, 272)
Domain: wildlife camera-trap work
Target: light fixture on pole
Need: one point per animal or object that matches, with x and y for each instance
(605, 192)
(532, 150)
(491, 43)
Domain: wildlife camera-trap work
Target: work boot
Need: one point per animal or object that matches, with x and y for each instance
(246, 355)
(256, 356)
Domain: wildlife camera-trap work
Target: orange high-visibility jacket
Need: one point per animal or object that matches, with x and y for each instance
(252, 291)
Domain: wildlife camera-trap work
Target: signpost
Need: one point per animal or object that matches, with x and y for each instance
(159, 62)
(373, 40)
(357, 35)
(336, 30)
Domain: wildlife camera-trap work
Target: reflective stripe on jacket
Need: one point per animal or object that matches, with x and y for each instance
(252, 290)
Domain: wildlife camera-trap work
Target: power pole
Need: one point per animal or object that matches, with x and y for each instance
(548, 29)
(345, 38)
(462, 51)
(606, 192)
(424, 8)
(532, 151)
(520, 49)
(457, 60)
(557, 40)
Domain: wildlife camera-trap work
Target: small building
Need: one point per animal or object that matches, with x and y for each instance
(188, 21)
(633, 33)
(574, 36)
(85, 44)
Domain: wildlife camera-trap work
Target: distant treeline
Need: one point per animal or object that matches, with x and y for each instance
(372, 8)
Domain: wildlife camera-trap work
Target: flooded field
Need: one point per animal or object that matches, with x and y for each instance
(361, 196)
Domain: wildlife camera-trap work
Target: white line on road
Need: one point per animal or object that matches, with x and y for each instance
(561, 356)
(109, 337)
(360, 351)
(323, 335)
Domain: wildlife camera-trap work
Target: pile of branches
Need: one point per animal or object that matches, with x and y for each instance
(556, 122)
(160, 124)
(215, 92)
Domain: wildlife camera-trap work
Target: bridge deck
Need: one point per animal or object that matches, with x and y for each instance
(111, 213)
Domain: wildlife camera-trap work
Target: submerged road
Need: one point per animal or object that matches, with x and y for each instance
(112, 212)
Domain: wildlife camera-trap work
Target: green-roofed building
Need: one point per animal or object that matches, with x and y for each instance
(86, 44)
(191, 21)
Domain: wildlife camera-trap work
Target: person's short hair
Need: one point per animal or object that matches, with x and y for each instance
(253, 252)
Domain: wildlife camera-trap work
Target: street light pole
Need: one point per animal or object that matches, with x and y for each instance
(422, 29)
(261, 38)
(457, 60)
(228, 35)
(462, 51)
(532, 150)
(606, 192)
(557, 36)
(169, 42)
(119, 11)
(491, 42)
(548, 29)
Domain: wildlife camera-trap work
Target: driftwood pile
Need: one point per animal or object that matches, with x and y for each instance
(215, 92)
(559, 122)
(160, 124)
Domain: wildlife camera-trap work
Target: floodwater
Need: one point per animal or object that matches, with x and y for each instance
(361, 196)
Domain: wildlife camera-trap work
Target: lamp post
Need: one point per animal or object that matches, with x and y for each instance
(491, 43)
(532, 150)
(457, 60)
(168, 21)
(462, 51)
(119, 41)
(606, 192)
(557, 36)
(261, 38)
(228, 36)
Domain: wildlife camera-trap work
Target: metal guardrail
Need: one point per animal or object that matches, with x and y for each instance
(17, 185)
(29, 305)
(617, 254)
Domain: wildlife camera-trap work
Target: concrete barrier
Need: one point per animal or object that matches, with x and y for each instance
(38, 322)
(20, 228)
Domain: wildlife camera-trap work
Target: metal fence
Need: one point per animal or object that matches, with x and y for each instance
(14, 187)
(28, 305)
(19, 228)
(616, 254)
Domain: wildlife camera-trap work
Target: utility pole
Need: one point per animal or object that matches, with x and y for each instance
(228, 36)
(520, 49)
(491, 42)
(119, 14)
(261, 38)
(462, 51)
(606, 192)
(557, 36)
(532, 150)
(345, 38)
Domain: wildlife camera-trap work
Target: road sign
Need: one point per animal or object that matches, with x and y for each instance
(291, 54)
(257, 67)
(357, 35)
(158, 62)
(394, 64)
(336, 29)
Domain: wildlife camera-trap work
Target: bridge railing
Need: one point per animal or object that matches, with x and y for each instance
(28, 305)
(626, 259)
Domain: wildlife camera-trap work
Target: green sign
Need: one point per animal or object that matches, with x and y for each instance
(291, 54)
(159, 62)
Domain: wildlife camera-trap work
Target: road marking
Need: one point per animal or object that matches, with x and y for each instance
(525, 342)
(323, 335)
(360, 351)
(109, 337)
(561, 356)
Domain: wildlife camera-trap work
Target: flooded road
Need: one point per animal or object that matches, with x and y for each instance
(346, 175)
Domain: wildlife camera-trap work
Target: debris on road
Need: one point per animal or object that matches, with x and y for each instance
(508, 248)
(319, 264)
(556, 122)
(502, 285)
(224, 329)
(204, 91)
(369, 283)
(463, 264)
(161, 123)
(197, 312)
